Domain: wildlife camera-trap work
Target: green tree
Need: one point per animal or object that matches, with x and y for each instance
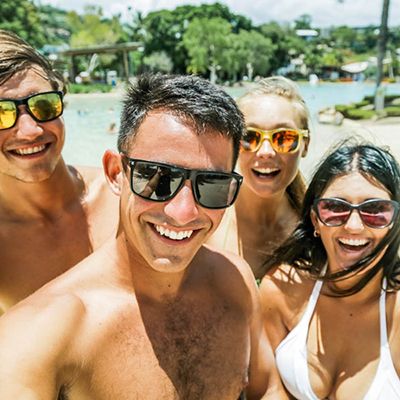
(22, 17)
(286, 43)
(159, 61)
(253, 52)
(343, 36)
(207, 42)
(164, 29)
(92, 28)
(303, 22)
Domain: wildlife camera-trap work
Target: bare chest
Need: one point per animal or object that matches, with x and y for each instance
(170, 354)
(33, 254)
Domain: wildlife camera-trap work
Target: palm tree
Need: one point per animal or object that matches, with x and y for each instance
(382, 40)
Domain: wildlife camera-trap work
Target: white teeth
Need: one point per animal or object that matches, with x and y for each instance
(353, 242)
(173, 234)
(266, 170)
(30, 150)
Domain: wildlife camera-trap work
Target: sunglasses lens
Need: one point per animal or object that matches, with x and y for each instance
(250, 140)
(333, 212)
(155, 182)
(8, 114)
(46, 106)
(216, 190)
(285, 141)
(377, 213)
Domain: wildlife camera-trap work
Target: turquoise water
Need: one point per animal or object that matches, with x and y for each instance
(88, 117)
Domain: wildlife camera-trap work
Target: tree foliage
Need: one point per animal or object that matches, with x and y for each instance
(23, 18)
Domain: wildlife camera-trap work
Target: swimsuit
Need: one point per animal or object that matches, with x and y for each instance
(291, 358)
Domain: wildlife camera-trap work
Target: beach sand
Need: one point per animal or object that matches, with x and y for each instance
(382, 132)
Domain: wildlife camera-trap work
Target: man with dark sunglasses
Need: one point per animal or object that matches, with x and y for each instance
(153, 314)
(50, 216)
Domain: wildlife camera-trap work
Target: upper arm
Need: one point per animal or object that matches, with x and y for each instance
(33, 342)
(264, 380)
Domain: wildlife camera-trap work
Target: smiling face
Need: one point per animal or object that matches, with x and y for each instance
(347, 244)
(30, 150)
(265, 171)
(168, 234)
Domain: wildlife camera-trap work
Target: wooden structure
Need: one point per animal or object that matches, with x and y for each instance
(123, 48)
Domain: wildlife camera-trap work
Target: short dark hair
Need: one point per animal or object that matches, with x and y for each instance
(305, 251)
(17, 55)
(192, 99)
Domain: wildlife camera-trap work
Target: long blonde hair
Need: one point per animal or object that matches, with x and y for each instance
(284, 87)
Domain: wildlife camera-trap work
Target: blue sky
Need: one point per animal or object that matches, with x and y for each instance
(323, 12)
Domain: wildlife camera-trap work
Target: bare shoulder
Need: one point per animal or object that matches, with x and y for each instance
(283, 281)
(223, 260)
(89, 174)
(231, 274)
(284, 291)
(42, 321)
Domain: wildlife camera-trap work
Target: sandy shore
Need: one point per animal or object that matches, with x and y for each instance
(383, 132)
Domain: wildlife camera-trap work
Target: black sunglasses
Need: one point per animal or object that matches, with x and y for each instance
(375, 213)
(42, 107)
(161, 182)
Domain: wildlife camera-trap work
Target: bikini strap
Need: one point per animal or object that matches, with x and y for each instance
(382, 314)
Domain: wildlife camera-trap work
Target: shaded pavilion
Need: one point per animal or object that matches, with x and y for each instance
(123, 48)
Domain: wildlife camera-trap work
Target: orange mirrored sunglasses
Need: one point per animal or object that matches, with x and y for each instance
(283, 140)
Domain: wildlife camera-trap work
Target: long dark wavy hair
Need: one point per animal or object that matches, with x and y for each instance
(304, 251)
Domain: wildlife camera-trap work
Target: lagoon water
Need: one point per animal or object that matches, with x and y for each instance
(88, 117)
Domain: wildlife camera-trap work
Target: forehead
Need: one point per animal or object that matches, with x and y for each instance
(355, 188)
(24, 83)
(269, 111)
(163, 137)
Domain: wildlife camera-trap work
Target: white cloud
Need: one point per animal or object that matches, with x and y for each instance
(323, 12)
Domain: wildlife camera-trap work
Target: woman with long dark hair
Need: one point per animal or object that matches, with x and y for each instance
(330, 297)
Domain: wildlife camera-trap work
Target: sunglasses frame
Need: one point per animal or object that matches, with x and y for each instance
(302, 133)
(356, 207)
(24, 101)
(190, 174)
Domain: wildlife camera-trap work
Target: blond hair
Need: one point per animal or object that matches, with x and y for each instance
(286, 88)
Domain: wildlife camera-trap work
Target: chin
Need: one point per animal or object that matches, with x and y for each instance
(168, 265)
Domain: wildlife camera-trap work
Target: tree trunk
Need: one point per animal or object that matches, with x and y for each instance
(382, 40)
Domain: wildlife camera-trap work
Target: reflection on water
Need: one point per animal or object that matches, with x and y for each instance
(89, 118)
(92, 123)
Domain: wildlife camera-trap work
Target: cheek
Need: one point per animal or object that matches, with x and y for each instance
(245, 162)
(290, 164)
(215, 216)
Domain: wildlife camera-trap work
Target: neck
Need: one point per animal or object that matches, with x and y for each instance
(369, 293)
(25, 200)
(144, 280)
(254, 209)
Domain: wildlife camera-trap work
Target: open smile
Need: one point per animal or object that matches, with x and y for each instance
(173, 235)
(266, 172)
(30, 152)
(353, 245)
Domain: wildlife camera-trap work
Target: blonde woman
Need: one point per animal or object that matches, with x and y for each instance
(276, 138)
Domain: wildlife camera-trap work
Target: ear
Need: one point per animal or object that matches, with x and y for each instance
(314, 220)
(113, 170)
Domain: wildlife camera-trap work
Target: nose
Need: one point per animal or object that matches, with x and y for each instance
(27, 127)
(266, 149)
(354, 223)
(182, 209)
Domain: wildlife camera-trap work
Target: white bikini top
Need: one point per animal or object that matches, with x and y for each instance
(291, 358)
